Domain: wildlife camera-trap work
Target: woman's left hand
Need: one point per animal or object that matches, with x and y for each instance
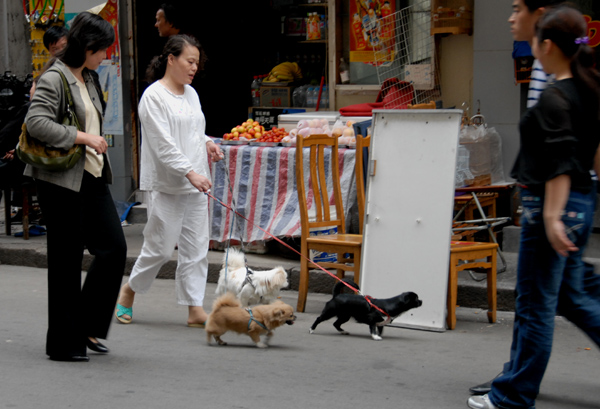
(214, 151)
(555, 231)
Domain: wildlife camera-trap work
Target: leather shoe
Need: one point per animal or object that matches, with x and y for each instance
(96, 346)
(484, 388)
(70, 358)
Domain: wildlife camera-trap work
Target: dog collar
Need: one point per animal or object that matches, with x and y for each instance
(260, 324)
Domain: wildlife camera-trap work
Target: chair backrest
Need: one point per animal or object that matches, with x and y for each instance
(322, 151)
(362, 143)
(429, 105)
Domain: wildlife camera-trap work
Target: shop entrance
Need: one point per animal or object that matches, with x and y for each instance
(238, 38)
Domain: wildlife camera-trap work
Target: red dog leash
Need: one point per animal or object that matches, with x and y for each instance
(367, 298)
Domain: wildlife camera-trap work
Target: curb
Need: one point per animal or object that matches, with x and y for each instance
(471, 294)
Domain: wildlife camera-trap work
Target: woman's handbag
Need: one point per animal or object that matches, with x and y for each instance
(39, 155)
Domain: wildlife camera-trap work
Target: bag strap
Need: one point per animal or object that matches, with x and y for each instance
(70, 104)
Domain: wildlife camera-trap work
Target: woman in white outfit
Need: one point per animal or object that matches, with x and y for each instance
(174, 172)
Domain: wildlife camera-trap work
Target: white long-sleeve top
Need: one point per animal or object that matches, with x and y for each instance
(173, 139)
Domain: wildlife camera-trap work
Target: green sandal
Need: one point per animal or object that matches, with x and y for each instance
(120, 311)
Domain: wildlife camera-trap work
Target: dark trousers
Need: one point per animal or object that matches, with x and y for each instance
(74, 220)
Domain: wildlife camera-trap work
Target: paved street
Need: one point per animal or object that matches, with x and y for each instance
(158, 362)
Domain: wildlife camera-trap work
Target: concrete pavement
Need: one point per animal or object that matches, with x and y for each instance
(158, 362)
(32, 253)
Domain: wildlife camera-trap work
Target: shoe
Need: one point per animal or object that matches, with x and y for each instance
(96, 346)
(120, 311)
(197, 325)
(70, 358)
(17, 218)
(481, 402)
(484, 388)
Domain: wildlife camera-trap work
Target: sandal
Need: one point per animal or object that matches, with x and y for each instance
(120, 311)
(197, 325)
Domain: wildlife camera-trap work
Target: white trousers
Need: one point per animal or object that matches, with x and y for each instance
(180, 220)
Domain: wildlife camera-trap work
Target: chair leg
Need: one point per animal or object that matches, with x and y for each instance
(491, 287)
(25, 210)
(452, 293)
(339, 272)
(303, 286)
(357, 267)
(7, 193)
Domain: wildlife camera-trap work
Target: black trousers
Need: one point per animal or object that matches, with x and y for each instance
(74, 220)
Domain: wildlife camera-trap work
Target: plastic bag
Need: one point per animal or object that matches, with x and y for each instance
(485, 152)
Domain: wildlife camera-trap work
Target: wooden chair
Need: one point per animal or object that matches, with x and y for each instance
(318, 195)
(466, 207)
(464, 255)
(361, 143)
(27, 190)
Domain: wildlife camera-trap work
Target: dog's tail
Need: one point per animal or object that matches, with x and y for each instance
(227, 300)
(340, 286)
(235, 259)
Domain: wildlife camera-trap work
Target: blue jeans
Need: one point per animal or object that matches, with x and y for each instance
(546, 280)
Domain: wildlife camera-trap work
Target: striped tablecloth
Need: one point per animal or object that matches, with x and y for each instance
(260, 183)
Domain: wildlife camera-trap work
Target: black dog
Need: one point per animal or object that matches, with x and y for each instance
(346, 306)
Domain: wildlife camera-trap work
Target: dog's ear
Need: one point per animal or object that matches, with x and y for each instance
(278, 312)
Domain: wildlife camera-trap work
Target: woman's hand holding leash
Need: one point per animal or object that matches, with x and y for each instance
(200, 182)
(214, 151)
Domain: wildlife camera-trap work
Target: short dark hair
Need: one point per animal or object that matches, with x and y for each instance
(89, 32)
(172, 15)
(53, 34)
(533, 5)
(175, 45)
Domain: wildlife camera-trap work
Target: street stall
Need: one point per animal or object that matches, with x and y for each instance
(259, 183)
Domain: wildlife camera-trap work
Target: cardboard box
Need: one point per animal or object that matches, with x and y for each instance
(276, 96)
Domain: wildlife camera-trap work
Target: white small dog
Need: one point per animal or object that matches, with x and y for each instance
(250, 287)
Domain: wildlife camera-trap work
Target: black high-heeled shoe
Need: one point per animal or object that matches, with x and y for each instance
(96, 346)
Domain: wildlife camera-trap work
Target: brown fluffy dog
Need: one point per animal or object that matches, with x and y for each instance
(227, 315)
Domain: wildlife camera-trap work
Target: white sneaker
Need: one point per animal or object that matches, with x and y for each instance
(481, 402)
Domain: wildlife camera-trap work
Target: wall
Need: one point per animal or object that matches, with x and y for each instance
(14, 37)
(78, 6)
(493, 74)
(456, 71)
(355, 94)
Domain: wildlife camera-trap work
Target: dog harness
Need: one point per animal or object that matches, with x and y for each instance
(248, 279)
(387, 319)
(260, 324)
